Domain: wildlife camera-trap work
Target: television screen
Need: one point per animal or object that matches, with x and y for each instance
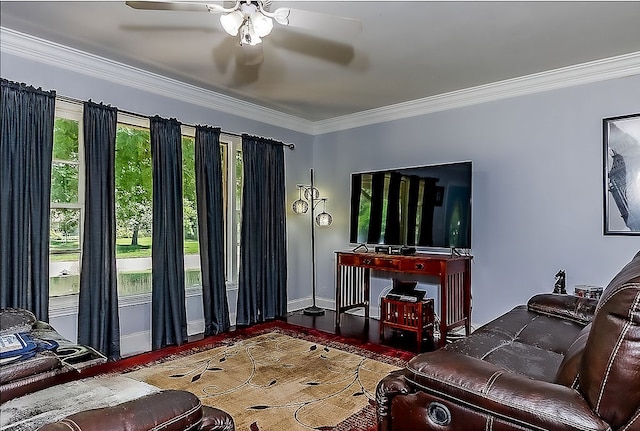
(425, 206)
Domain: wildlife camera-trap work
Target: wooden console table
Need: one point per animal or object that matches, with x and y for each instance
(353, 283)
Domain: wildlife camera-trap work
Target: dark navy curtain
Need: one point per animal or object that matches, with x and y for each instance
(168, 310)
(26, 148)
(262, 287)
(209, 191)
(98, 321)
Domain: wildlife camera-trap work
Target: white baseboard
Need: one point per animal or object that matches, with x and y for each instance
(330, 304)
(195, 327)
(136, 343)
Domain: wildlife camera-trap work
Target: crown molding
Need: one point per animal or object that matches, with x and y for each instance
(599, 70)
(47, 52)
(44, 51)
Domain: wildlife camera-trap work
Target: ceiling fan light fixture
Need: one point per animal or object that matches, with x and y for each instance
(248, 35)
(281, 15)
(232, 22)
(253, 19)
(262, 25)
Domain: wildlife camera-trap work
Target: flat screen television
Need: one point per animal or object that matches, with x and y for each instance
(426, 207)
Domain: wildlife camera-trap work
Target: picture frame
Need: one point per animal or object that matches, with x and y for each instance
(621, 180)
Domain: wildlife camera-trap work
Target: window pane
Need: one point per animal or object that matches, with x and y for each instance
(135, 281)
(65, 140)
(238, 204)
(64, 245)
(225, 177)
(64, 231)
(192, 265)
(64, 274)
(190, 213)
(64, 182)
(65, 223)
(134, 194)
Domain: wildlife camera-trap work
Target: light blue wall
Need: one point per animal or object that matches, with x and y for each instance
(537, 191)
(537, 196)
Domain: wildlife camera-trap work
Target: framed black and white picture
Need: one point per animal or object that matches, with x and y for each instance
(621, 136)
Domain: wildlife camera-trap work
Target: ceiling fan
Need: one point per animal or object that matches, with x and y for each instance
(253, 20)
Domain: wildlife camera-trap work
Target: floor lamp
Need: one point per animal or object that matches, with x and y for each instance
(309, 197)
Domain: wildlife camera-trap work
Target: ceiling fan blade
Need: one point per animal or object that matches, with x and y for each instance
(314, 46)
(252, 55)
(177, 6)
(335, 25)
(166, 28)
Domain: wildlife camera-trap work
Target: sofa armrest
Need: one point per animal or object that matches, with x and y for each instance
(40, 363)
(169, 410)
(570, 307)
(216, 420)
(489, 389)
(390, 386)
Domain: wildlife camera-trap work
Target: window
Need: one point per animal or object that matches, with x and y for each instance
(134, 211)
(67, 202)
(192, 266)
(234, 208)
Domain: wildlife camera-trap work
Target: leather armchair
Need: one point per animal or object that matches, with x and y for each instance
(44, 368)
(558, 363)
(169, 410)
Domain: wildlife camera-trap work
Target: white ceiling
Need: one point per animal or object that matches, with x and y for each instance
(406, 50)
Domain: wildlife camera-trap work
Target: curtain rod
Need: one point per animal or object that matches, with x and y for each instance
(291, 146)
(68, 99)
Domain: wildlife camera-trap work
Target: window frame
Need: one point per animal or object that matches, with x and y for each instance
(232, 212)
(72, 111)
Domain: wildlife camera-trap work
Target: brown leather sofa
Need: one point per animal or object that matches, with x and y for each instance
(168, 410)
(559, 363)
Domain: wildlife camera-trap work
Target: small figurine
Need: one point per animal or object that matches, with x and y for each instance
(560, 285)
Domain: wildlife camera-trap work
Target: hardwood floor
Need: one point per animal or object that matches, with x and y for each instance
(358, 328)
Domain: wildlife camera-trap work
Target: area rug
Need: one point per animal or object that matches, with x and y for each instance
(280, 380)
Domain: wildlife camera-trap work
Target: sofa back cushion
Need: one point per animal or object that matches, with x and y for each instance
(14, 320)
(567, 374)
(610, 368)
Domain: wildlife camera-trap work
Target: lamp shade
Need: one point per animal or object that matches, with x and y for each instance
(309, 190)
(324, 219)
(231, 22)
(300, 206)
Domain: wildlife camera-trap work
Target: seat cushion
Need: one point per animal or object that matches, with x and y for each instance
(522, 341)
